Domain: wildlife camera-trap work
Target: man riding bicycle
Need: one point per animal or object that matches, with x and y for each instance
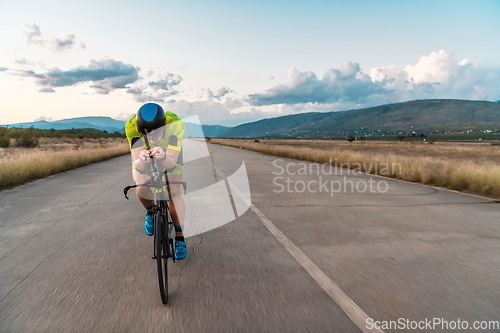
(154, 133)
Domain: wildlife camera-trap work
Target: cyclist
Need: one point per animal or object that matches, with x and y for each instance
(163, 133)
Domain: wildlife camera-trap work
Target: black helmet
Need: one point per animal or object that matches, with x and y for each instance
(150, 117)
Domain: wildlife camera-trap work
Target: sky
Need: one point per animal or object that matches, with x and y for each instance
(231, 62)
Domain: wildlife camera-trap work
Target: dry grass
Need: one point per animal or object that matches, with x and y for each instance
(468, 167)
(21, 165)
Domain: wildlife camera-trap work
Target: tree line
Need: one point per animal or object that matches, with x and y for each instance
(29, 137)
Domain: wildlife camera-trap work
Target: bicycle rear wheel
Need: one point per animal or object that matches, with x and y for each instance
(161, 254)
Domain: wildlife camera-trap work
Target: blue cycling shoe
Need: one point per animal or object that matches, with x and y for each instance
(148, 224)
(180, 250)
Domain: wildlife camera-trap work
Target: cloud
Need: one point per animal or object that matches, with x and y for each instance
(156, 90)
(440, 75)
(34, 36)
(347, 83)
(213, 112)
(44, 118)
(437, 75)
(221, 92)
(436, 67)
(166, 83)
(66, 43)
(212, 108)
(106, 75)
(124, 115)
(24, 61)
(222, 96)
(232, 103)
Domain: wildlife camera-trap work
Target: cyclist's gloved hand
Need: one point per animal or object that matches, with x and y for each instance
(158, 153)
(144, 156)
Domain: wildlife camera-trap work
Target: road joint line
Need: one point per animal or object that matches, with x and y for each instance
(350, 308)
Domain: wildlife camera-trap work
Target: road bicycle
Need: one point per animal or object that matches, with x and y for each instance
(163, 241)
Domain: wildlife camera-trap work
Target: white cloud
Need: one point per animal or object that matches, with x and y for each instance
(155, 90)
(58, 44)
(345, 84)
(124, 115)
(43, 118)
(225, 96)
(438, 67)
(106, 75)
(66, 43)
(212, 112)
(223, 91)
(438, 75)
(33, 34)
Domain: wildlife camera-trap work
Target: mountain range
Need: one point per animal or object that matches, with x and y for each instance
(424, 116)
(100, 123)
(112, 125)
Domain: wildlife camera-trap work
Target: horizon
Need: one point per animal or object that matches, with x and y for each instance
(232, 63)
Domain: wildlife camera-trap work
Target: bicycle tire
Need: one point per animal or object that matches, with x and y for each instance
(161, 249)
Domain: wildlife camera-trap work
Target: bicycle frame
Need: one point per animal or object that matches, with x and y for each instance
(161, 202)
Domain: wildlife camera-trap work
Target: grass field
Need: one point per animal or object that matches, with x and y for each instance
(22, 165)
(467, 167)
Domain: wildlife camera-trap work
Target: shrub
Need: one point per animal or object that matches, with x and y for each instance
(4, 142)
(28, 138)
(4, 137)
(400, 137)
(351, 139)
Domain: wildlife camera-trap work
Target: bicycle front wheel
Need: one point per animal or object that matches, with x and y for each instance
(161, 249)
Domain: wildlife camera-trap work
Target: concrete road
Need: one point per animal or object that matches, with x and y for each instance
(328, 258)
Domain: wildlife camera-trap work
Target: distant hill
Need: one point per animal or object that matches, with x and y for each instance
(419, 116)
(100, 123)
(194, 130)
(112, 125)
(214, 130)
